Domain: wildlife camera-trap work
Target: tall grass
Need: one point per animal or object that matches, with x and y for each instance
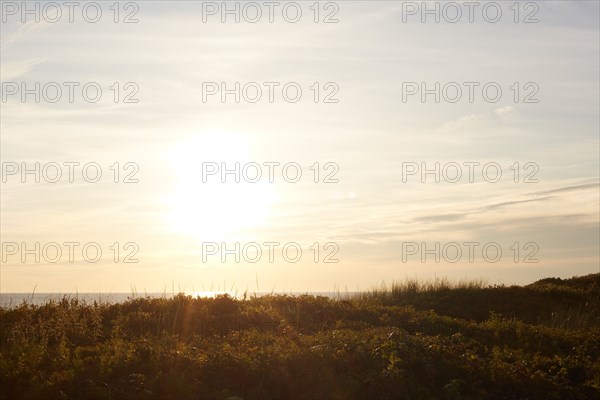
(410, 339)
(409, 286)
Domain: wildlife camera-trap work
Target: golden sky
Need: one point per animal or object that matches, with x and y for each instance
(357, 135)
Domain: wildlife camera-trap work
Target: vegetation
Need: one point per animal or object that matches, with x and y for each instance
(408, 341)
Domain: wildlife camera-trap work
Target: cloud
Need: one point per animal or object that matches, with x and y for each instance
(13, 70)
(463, 214)
(566, 189)
(441, 217)
(504, 111)
(499, 116)
(25, 30)
(511, 203)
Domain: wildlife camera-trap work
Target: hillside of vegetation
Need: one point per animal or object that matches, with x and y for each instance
(410, 340)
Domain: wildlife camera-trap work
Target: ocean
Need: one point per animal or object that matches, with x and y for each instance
(11, 300)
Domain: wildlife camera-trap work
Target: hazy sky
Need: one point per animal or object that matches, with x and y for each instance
(372, 217)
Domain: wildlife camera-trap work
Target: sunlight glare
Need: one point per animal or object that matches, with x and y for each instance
(215, 211)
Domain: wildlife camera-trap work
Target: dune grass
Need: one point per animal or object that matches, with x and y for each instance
(408, 340)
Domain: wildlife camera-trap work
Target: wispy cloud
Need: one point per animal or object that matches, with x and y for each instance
(12, 70)
(498, 116)
(567, 189)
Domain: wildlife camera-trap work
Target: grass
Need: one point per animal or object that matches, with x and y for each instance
(411, 340)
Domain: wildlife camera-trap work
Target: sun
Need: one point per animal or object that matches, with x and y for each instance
(214, 210)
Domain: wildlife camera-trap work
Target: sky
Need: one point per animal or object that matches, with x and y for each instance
(525, 207)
